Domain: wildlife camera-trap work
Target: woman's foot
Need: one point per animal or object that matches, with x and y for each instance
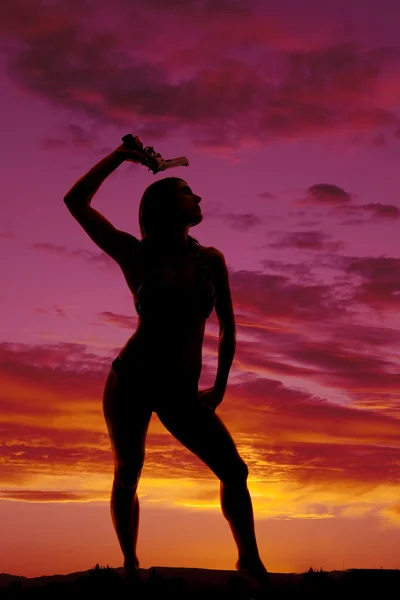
(131, 574)
(254, 569)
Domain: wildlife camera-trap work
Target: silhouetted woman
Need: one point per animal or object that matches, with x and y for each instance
(175, 283)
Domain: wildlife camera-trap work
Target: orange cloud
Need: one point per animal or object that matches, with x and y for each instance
(55, 445)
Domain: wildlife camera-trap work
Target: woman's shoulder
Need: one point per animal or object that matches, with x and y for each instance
(213, 258)
(211, 253)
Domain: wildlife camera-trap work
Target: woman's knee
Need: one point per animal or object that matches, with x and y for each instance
(236, 474)
(128, 475)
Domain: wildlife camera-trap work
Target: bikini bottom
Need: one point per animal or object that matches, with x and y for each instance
(155, 389)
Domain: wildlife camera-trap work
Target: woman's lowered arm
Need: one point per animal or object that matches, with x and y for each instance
(227, 326)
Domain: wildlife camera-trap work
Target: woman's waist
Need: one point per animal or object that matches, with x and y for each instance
(177, 337)
(158, 354)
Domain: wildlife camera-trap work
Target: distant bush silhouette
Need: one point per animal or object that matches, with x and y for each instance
(315, 575)
(94, 571)
(103, 577)
(315, 579)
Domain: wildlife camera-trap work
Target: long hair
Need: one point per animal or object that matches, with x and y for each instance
(156, 208)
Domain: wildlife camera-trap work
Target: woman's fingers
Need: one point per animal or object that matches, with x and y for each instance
(132, 155)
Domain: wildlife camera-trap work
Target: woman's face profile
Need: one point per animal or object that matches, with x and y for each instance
(188, 204)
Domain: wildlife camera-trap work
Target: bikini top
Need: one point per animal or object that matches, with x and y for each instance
(157, 297)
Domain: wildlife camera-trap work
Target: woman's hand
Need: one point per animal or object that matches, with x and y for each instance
(136, 156)
(210, 398)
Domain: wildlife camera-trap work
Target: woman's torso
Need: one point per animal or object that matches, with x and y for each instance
(175, 296)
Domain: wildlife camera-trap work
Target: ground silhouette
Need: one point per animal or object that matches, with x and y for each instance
(208, 584)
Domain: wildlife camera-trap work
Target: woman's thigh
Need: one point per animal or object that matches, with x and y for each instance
(202, 432)
(127, 414)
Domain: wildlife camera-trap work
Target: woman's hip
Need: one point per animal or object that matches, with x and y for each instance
(134, 386)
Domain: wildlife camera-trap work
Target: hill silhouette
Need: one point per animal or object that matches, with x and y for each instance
(188, 583)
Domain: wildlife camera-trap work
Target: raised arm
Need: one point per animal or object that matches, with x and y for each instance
(112, 241)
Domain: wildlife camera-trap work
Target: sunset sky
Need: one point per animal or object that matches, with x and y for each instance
(289, 113)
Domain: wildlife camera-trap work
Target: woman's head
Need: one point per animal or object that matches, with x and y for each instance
(168, 205)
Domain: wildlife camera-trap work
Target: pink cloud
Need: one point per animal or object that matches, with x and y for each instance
(266, 196)
(242, 222)
(380, 287)
(382, 211)
(307, 240)
(95, 257)
(328, 193)
(341, 204)
(222, 103)
(278, 298)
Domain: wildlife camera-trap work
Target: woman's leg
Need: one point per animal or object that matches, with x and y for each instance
(203, 432)
(127, 417)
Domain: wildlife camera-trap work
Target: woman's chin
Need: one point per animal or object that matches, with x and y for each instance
(197, 219)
